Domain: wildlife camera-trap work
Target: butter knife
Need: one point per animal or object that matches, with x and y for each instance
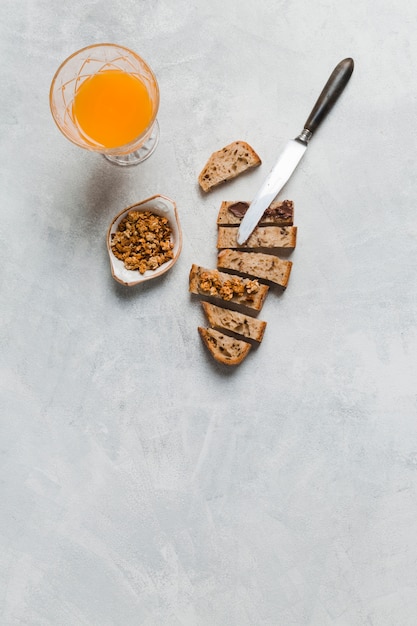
(295, 149)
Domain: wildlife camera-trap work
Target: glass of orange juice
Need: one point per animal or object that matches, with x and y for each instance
(105, 98)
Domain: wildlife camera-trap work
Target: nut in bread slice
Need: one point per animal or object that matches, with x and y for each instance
(277, 214)
(273, 237)
(227, 321)
(227, 288)
(266, 267)
(227, 163)
(223, 348)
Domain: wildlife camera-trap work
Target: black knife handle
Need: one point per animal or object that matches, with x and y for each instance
(338, 80)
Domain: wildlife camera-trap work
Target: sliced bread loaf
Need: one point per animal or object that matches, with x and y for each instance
(226, 287)
(257, 264)
(262, 237)
(227, 163)
(277, 214)
(224, 349)
(223, 319)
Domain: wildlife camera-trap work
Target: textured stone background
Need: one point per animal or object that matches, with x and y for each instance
(140, 483)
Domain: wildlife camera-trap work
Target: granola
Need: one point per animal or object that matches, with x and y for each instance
(211, 283)
(143, 241)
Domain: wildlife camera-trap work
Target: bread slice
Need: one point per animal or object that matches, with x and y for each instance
(227, 288)
(224, 349)
(262, 237)
(226, 320)
(277, 214)
(227, 163)
(263, 266)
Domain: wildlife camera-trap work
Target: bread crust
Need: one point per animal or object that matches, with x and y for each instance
(225, 320)
(225, 349)
(227, 163)
(278, 213)
(217, 285)
(273, 237)
(267, 267)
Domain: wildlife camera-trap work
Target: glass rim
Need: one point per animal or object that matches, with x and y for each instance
(128, 147)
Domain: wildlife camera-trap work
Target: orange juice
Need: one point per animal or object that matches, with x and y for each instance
(112, 108)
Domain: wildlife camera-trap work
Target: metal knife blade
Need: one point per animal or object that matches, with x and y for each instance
(280, 173)
(295, 149)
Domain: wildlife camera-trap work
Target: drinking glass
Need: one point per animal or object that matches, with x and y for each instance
(89, 62)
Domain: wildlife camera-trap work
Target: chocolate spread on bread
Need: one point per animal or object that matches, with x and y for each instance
(283, 211)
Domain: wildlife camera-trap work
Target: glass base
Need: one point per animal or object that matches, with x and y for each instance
(139, 155)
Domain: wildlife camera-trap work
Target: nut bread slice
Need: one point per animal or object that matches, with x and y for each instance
(227, 288)
(257, 264)
(224, 349)
(227, 163)
(226, 320)
(277, 214)
(262, 237)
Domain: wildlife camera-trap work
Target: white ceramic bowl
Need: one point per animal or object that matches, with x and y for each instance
(160, 205)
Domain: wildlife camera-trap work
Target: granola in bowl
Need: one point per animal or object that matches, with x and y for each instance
(144, 240)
